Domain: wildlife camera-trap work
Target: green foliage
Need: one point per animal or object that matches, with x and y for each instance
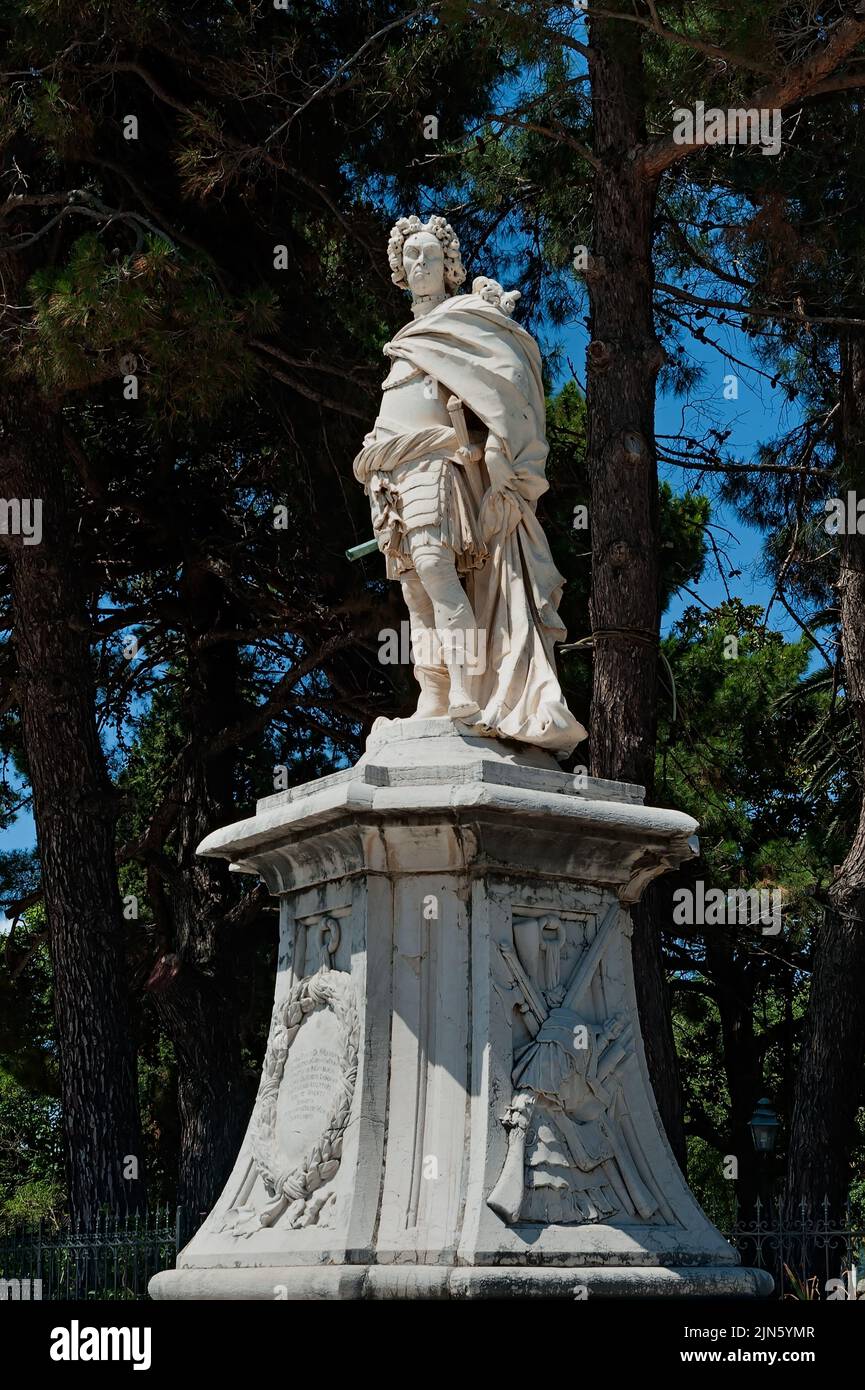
(26, 1018)
(714, 1192)
(40, 1199)
(101, 315)
(31, 1161)
(683, 521)
(31, 1167)
(735, 760)
(732, 758)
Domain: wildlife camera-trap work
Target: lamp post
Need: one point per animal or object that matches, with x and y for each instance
(764, 1126)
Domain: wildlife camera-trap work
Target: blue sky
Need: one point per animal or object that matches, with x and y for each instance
(760, 413)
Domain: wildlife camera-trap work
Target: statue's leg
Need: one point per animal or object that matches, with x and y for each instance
(455, 622)
(430, 672)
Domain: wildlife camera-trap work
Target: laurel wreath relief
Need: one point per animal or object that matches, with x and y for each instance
(293, 1187)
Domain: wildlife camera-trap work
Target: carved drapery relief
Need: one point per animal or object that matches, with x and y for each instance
(569, 1159)
(306, 1091)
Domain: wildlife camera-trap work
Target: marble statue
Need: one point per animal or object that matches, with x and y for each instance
(453, 468)
(454, 1098)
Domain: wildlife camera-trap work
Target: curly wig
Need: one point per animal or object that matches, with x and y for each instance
(454, 271)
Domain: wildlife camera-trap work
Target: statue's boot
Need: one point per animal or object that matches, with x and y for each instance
(461, 705)
(435, 686)
(443, 691)
(457, 629)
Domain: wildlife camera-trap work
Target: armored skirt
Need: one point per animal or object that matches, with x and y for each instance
(420, 494)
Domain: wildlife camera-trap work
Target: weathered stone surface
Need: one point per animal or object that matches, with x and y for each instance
(454, 1100)
(430, 1281)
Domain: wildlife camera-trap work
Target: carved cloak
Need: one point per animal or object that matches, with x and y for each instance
(478, 353)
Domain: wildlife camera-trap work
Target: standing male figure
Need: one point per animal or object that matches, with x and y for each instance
(453, 467)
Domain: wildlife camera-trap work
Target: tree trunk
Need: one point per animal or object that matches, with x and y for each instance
(829, 1083)
(735, 986)
(195, 983)
(624, 358)
(75, 812)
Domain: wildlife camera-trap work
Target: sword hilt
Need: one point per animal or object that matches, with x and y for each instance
(357, 552)
(469, 452)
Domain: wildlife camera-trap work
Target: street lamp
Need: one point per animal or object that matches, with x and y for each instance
(764, 1125)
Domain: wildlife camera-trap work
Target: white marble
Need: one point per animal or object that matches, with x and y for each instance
(453, 468)
(454, 1101)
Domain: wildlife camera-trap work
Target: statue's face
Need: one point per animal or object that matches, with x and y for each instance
(424, 264)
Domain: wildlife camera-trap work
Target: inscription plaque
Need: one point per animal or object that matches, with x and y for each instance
(311, 1086)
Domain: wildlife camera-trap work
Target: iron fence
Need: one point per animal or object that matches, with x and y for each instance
(114, 1258)
(812, 1258)
(117, 1256)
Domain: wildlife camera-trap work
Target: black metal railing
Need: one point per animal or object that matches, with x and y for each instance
(820, 1257)
(116, 1257)
(113, 1258)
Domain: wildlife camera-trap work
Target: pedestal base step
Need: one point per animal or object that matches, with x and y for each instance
(443, 1281)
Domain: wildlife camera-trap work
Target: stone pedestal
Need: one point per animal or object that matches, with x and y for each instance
(454, 1101)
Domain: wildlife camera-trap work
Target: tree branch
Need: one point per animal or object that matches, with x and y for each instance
(846, 82)
(748, 312)
(743, 467)
(793, 86)
(349, 62)
(240, 148)
(656, 27)
(312, 395)
(343, 373)
(277, 700)
(560, 136)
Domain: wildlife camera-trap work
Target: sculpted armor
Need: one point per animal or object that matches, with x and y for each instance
(419, 497)
(454, 512)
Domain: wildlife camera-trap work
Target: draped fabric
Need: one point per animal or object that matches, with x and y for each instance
(479, 354)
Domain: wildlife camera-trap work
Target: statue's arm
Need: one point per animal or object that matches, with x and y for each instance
(498, 463)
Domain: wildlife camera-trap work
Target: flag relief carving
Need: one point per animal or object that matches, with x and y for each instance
(569, 1158)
